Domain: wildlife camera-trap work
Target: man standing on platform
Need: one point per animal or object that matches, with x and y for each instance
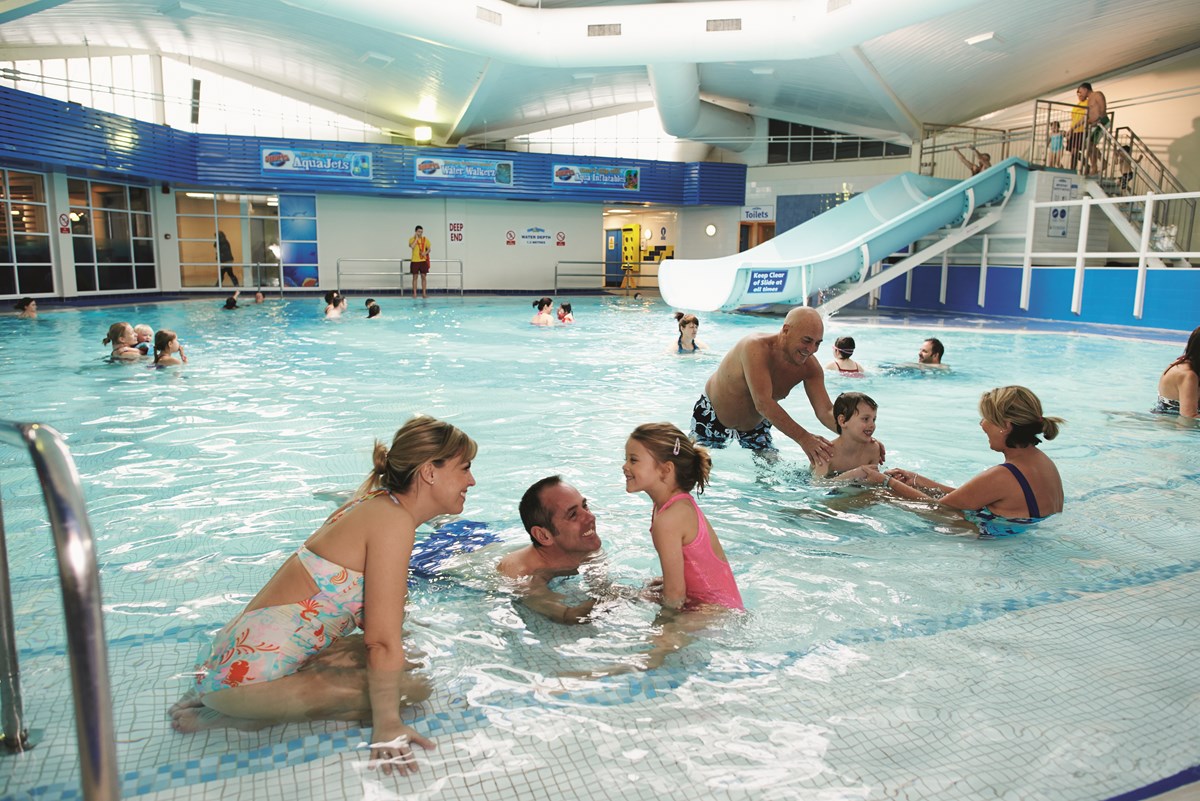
(420, 259)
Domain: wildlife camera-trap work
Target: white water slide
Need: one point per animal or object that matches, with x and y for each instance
(835, 245)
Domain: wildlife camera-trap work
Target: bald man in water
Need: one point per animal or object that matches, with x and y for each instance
(741, 399)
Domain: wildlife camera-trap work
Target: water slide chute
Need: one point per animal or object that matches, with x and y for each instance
(835, 245)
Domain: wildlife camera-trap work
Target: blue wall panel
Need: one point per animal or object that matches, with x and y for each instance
(1108, 293)
(52, 134)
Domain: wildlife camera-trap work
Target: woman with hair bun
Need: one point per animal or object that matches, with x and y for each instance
(661, 461)
(543, 315)
(1179, 385)
(1012, 496)
(351, 573)
(689, 325)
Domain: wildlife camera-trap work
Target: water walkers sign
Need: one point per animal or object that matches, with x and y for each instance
(332, 163)
(597, 176)
(464, 171)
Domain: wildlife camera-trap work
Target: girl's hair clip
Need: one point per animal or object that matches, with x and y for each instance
(676, 449)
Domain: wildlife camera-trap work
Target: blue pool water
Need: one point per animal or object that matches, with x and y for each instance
(884, 655)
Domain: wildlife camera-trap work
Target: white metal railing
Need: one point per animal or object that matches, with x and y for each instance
(646, 271)
(1144, 252)
(86, 646)
(448, 274)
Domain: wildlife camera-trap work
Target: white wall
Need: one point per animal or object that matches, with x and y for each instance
(379, 228)
(765, 184)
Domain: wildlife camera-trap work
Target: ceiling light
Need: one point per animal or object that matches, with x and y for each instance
(180, 10)
(422, 133)
(200, 195)
(983, 37)
(376, 59)
(762, 70)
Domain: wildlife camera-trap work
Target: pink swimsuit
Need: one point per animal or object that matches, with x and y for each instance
(708, 579)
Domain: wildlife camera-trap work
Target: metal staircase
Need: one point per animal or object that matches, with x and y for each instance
(1130, 168)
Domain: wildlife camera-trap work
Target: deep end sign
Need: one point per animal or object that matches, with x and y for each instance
(764, 282)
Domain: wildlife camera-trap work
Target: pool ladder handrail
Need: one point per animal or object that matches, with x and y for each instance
(86, 645)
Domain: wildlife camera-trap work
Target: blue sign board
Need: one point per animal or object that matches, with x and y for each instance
(598, 176)
(334, 163)
(464, 171)
(767, 281)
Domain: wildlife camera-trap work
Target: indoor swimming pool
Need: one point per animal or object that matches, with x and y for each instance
(885, 653)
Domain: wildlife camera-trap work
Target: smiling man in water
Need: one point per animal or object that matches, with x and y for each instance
(562, 533)
(741, 399)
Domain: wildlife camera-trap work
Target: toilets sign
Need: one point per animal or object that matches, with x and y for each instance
(758, 213)
(764, 282)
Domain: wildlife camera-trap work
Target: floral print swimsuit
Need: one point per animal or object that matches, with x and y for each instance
(271, 642)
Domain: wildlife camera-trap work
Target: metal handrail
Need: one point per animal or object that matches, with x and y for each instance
(401, 262)
(602, 275)
(86, 645)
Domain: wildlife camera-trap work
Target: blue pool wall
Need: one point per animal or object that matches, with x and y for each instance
(1171, 300)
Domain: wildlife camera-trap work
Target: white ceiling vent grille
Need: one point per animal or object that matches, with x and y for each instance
(612, 29)
(834, 5)
(722, 25)
(487, 15)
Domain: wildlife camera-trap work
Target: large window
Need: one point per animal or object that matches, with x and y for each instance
(112, 234)
(244, 240)
(25, 264)
(793, 143)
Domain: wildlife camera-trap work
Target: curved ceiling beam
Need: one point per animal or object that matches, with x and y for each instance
(622, 36)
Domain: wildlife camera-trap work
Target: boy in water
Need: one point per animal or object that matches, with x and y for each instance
(855, 445)
(145, 338)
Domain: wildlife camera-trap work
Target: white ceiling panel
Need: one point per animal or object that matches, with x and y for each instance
(919, 69)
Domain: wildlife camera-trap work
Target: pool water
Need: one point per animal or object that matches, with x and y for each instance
(886, 653)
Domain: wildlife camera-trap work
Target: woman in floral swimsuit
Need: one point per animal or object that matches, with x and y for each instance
(357, 559)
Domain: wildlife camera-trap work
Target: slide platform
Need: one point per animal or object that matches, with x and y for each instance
(835, 245)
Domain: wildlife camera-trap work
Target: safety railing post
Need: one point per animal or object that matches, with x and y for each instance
(82, 604)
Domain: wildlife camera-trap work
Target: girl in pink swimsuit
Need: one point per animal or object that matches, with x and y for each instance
(662, 462)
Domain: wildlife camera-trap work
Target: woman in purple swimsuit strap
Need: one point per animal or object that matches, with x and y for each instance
(1009, 497)
(250, 676)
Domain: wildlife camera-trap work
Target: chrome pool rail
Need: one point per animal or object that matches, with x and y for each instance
(86, 645)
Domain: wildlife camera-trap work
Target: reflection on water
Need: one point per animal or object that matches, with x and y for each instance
(200, 480)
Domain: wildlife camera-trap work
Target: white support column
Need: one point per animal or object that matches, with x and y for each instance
(157, 89)
(945, 277)
(1085, 216)
(1139, 295)
(983, 267)
(1027, 264)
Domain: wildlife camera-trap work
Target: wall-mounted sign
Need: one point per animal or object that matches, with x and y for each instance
(1060, 216)
(464, 171)
(331, 163)
(535, 235)
(758, 213)
(598, 176)
(767, 281)
(457, 231)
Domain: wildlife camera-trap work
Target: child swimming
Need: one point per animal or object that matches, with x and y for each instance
(167, 350)
(843, 349)
(855, 445)
(122, 339)
(564, 313)
(661, 461)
